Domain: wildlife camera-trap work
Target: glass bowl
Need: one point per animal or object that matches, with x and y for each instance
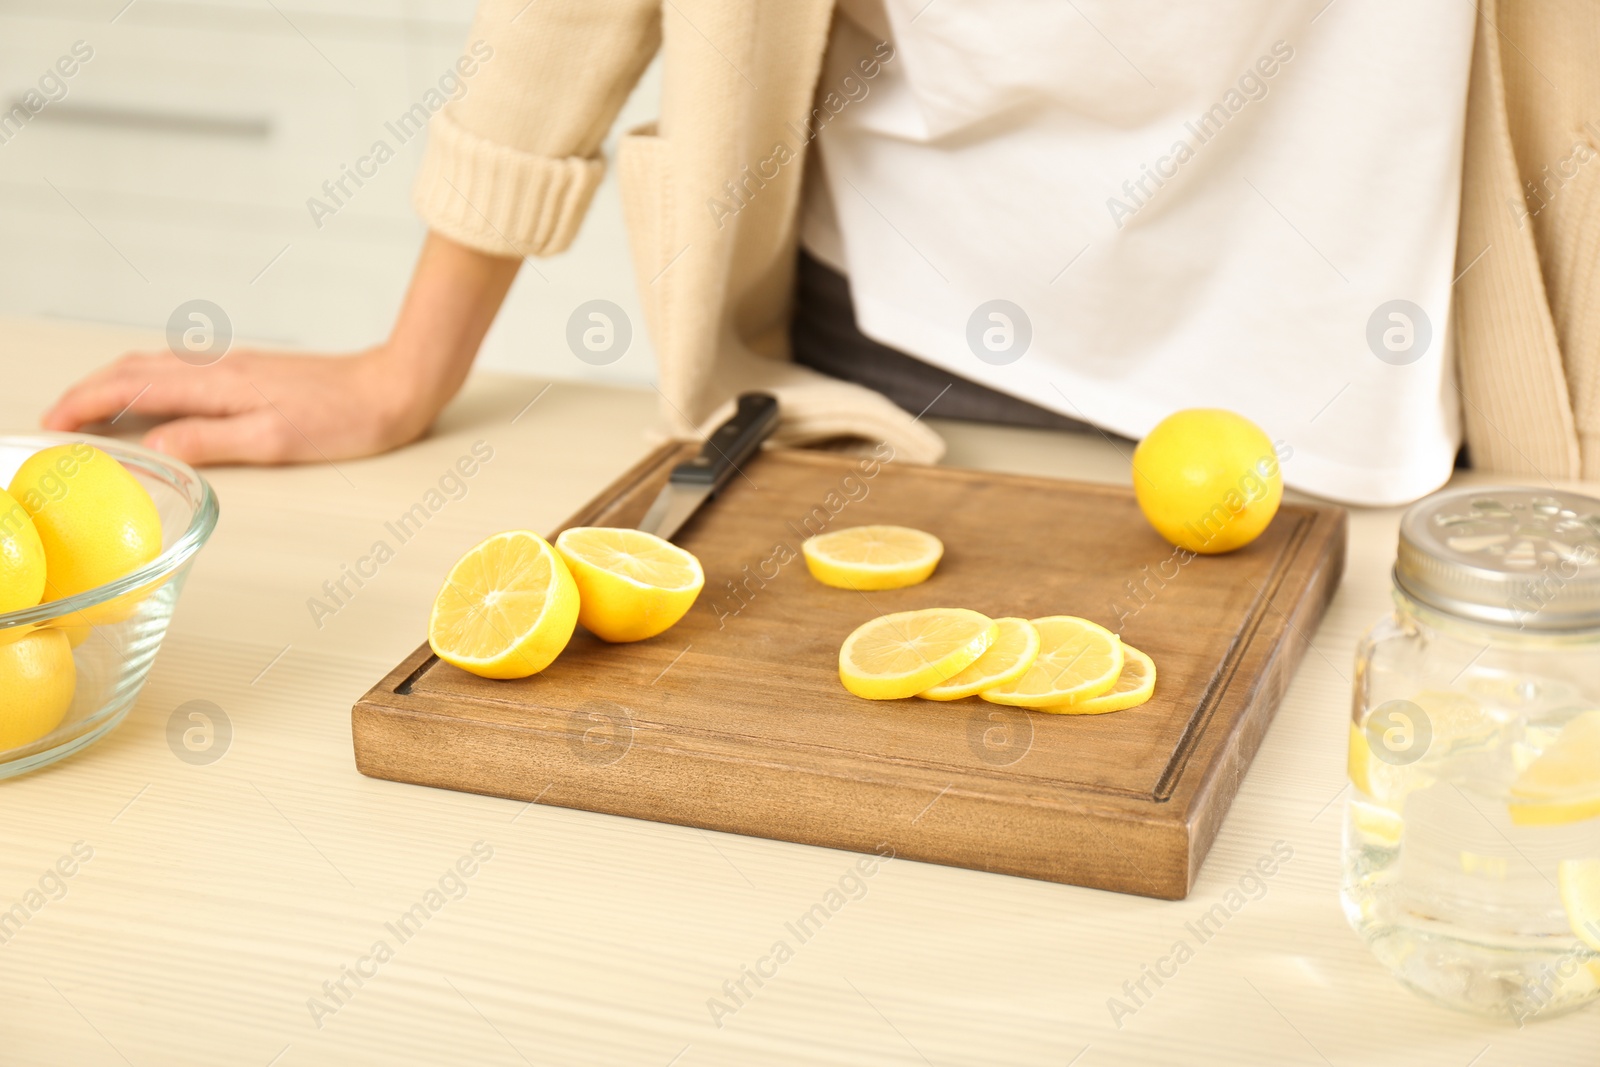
(115, 629)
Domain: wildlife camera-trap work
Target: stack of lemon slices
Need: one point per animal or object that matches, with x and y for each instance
(1060, 663)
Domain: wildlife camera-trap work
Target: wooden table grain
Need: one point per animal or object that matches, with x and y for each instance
(274, 907)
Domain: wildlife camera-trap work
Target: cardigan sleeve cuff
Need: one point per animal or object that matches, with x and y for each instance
(500, 200)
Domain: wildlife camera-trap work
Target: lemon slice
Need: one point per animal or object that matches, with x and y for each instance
(1493, 867)
(901, 655)
(1077, 660)
(1012, 653)
(1135, 685)
(1458, 720)
(1563, 784)
(631, 584)
(872, 557)
(506, 609)
(1379, 826)
(1358, 761)
(1580, 894)
(1387, 784)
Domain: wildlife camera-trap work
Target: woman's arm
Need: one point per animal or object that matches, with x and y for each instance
(257, 407)
(511, 164)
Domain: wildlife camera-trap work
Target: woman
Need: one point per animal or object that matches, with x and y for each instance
(1082, 212)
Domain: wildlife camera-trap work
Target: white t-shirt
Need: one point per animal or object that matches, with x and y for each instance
(1119, 209)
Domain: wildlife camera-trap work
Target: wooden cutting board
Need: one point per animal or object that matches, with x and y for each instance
(735, 719)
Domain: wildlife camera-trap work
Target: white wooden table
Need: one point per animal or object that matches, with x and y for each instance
(221, 898)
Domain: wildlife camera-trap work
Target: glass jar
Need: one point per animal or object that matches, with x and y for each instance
(1472, 829)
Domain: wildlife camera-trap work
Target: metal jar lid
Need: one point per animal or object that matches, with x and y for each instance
(1528, 558)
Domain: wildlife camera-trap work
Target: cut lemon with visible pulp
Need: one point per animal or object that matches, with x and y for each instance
(1077, 660)
(1580, 895)
(1133, 687)
(1563, 784)
(872, 557)
(507, 608)
(631, 584)
(901, 655)
(1012, 653)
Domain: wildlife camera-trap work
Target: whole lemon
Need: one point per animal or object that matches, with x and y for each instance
(96, 522)
(1207, 479)
(22, 563)
(37, 680)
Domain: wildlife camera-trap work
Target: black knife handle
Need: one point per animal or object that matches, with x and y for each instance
(732, 444)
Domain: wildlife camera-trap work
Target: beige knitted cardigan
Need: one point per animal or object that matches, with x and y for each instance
(511, 166)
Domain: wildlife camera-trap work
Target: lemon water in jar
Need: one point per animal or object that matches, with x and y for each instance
(1472, 828)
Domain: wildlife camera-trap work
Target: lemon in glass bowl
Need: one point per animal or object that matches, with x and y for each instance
(119, 539)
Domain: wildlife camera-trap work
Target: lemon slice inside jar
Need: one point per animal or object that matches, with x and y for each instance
(1562, 784)
(1580, 895)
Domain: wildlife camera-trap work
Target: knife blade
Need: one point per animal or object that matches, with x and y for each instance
(695, 480)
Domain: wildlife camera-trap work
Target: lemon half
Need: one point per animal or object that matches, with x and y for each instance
(507, 608)
(631, 584)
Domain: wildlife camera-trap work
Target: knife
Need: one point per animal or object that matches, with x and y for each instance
(724, 452)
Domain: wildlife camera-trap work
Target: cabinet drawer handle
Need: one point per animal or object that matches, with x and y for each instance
(250, 127)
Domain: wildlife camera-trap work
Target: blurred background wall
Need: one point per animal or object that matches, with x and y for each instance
(175, 163)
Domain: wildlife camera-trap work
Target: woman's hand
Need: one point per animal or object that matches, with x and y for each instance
(256, 407)
(259, 407)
